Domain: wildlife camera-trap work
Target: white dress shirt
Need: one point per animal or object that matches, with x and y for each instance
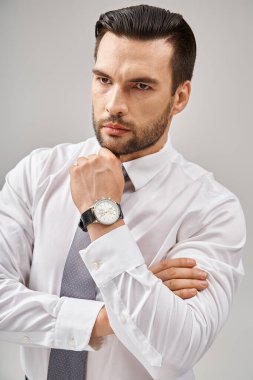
(176, 209)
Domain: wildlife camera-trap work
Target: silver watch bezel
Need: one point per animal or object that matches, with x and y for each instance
(112, 203)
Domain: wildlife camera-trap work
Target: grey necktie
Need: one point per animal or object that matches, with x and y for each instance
(77, 283)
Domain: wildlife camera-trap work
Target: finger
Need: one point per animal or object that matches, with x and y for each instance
(168, 263)
(177, 284)
(186, 293)
(181, 273)
(106, 153)
(82, 160)
(91, 156)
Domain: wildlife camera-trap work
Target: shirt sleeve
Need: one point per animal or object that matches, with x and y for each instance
(29, 317)
(166, 334)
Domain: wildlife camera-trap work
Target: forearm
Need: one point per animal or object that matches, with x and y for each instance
(156, 326)
(40, 319)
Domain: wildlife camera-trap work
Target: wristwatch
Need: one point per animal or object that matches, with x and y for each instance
(104, 211)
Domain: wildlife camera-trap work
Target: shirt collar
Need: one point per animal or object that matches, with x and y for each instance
(143, 169)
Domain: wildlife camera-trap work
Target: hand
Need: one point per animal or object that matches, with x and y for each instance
(181, 276)
(94, 177)
(101, 327)
(96, 342)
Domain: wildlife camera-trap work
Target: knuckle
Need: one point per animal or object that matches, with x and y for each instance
(181, 293)
(80, 160)
(73, 170)
(171, 272)
(191, 283)
(98, 158)
(184, 262)
(187, 293)
(111, 159)
(171, 284)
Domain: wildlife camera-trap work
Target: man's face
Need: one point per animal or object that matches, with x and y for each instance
(131, 93)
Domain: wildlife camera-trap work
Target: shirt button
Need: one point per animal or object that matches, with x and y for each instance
(72, 343)
(123, 316)
(95, 265)
(26, 339)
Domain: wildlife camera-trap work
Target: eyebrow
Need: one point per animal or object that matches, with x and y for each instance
(143, 79)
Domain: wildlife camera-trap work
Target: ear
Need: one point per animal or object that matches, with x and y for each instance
(181, 97)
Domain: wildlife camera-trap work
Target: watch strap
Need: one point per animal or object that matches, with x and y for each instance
(87, 218)
(121, 216)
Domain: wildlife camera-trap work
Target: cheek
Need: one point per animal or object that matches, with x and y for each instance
(143, 109)
(157, 106)
(98, 100)
(149, 103)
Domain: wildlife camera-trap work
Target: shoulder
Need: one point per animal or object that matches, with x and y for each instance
(200, 180)
(62, 153)
(48, 161)
(209, 203)
(59, 155)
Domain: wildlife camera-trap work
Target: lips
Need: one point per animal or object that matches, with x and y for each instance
(115, 129)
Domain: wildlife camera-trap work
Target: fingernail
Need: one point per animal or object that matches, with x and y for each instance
(203, 275)
(203, 284)
(191, 262)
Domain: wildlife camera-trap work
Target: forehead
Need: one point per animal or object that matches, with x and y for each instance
(118, 55)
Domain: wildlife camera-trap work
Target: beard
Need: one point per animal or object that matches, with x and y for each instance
(143, 136)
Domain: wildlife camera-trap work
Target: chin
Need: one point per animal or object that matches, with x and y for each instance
(114, 144)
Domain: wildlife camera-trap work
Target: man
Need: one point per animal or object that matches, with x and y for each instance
(140, 203)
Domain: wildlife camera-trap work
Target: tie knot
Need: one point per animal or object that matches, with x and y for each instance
(129, 188)
(125, 173)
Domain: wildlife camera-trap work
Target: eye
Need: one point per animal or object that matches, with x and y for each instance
(103, 80)
(142, 86)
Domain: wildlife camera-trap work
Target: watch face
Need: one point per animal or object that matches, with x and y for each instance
(106, 211)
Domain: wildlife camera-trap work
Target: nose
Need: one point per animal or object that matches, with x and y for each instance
(116, 104)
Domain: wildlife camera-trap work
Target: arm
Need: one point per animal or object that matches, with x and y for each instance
(166, 334)
(179, 275)
(174, 333)
(31, 317)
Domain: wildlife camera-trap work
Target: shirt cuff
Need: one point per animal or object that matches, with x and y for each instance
(75, 322)
(112, 254)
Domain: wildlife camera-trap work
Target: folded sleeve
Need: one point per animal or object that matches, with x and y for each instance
(166, 334)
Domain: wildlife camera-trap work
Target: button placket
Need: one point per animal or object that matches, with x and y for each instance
(123, 316)
(26, 339)
(72, 342)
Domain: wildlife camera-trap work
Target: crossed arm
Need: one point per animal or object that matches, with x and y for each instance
(103, 177)
(171, 335)
(180, 275)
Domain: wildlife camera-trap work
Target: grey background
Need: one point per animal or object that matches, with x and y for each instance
(46, 56)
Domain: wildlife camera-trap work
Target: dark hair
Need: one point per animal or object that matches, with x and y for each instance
(144, 22)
